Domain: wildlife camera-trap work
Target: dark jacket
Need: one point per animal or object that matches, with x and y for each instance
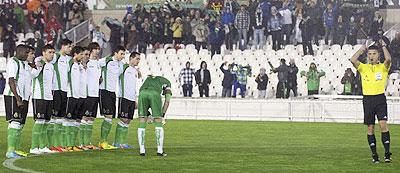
(348, 80)
(2, 85)
(115, 35)
(283, 72)
(38, 44)
(306, 30)
(229, 78)
(292, 75)
(262, 82)
(206, 79)
(216, 36)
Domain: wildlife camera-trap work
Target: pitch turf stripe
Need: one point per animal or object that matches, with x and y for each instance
(9, 163)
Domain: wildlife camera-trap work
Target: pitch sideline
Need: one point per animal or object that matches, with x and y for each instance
(9, 163)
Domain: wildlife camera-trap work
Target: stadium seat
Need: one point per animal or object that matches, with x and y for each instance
(170, 52)
(336, 48)
(394, 76)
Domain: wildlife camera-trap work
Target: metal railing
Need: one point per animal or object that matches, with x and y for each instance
(79, 32)
(392, 31)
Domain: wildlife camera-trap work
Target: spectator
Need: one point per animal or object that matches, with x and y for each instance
(167, 31)
(358, 84)
(227, 19)
(242, 24)
(265, 6)
(348, 81)
(297, 30)
(139, 22)
(353, 31)
(377, 24)
(128, 22)
(262, 81)
(52, 28)
(38, 22)
(306, 35)
(258, 29)
(275, 28)
(203, 79)
(156, 32)
(292, 78)
(201, 32)
(362, 34)
(177, 29)
(55, 9)
(242, 73)
(216, 38)
(75, 16)
(196, 20)
(140, 11)
(232, 5)
(99, 38)
(133, 39)
(20, 18)
(9, 40)
(228, 80)
(315, 14)
(329, 19)
(395, 48)
(286, 22)
(187, 74)
(7, 17)
(340, 31)
(36, 42)
(144, 40)
(313, 77)
(252, 8)
(2, 83)
(187, 31)
(283, 71)
(145, 24)
(115, 35)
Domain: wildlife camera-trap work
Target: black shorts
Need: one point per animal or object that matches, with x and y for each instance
(59, 103)
(91, 105)
(126, 108)
(42, 109)
(374, 106)
(13, 112)
(72, 108)
(81, 108)
(107, 103)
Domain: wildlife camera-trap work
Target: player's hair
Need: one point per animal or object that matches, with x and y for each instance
(65, 42)
(119, 48)
(373, 47)
(76, 50)
(21, 50)
(47, 47)
(86, 48)
(93, 45)
(30, 48)
(133, 55)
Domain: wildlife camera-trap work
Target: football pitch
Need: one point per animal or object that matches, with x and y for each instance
(224, 146)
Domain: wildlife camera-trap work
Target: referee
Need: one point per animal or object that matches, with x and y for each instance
(374, 76)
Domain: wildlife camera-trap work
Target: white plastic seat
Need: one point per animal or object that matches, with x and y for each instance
(170, 52)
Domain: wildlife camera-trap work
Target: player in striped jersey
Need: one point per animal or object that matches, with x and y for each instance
(127, 99)
(60, 88)
(73, 95)
(111, 69)
(92, 101)
(42, 98)
(13, 98)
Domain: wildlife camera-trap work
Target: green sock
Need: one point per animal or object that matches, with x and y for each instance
(105, 129)
(125, 135)
(18, 139)
(43, 136)
(63, 135)
(82, 134)
(118, 133)
(88, 138)
(12, 135)
(56, 135)
(50, 132)
(76, 133)
(36, 135)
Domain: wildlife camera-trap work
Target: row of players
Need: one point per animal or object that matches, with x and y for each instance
(66, 88)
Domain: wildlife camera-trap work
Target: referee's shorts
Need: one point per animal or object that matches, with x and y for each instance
(374, 105)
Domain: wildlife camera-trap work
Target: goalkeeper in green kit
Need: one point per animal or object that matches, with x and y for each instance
(150, 97)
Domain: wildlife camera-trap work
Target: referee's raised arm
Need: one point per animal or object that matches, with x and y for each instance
(386, 54)
(354, 58)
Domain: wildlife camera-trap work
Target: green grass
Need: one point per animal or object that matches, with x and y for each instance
(227, 146)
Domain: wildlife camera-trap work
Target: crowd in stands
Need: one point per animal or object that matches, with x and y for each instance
(243, 26)
(48, 20)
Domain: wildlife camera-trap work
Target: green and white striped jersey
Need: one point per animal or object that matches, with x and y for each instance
(93, 75)
(60, 81)
(110, 71)
(16, 69)
(74, 75)
(127, 83)
(42, 80)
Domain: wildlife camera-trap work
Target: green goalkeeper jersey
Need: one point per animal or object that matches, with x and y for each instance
(156, 83)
